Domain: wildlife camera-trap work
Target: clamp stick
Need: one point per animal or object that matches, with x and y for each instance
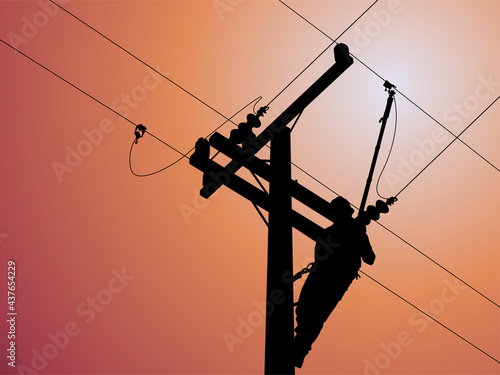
(389, 87)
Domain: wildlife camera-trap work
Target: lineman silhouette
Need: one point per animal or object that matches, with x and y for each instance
(338, 253)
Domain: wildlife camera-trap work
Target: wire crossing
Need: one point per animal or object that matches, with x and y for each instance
(326, 49)
(182, 88)
(378, 75)
(227, 119)
(457, 137)
(449, 144)
(183, 155)
(403, 240)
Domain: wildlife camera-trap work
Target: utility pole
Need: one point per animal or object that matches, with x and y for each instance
(279, 324)
(282, 218)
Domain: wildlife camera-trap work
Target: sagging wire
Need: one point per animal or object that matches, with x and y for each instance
(185, 155)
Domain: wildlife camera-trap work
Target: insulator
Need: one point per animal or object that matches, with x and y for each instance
(202, 148)
(253, 120)
(235, 136)
(382, 207)
(372, 212)
(364, 218)
(244, 131)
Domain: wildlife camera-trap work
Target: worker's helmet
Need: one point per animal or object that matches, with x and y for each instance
(340, 208)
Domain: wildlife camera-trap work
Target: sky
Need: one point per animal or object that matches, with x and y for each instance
(118, 274)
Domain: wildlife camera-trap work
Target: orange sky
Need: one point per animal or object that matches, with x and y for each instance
(138, 286)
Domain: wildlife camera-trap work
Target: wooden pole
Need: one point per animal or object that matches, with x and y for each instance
(279, 321)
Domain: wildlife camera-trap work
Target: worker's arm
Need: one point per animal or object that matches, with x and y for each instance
(367, 253)
(365, 248)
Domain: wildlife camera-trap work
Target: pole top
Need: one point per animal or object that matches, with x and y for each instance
(342, 55)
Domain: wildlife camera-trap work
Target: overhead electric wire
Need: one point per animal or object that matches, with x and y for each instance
(138, 59)
(378, 75)
(321, 31)
(182, 88)
(403, 240)
(187, 153)
(326, 49)
(85, 93)
(429, 316)
(449, 144)
(439, 265)
(302, 71)
(436, 121)
(457, 137)
(317, 28)
(155, 172)
(183, 155)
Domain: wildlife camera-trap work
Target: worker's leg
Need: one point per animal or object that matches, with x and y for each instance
(312, 311)
(318, 298)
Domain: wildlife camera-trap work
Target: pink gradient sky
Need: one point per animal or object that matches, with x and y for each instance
(195, 278)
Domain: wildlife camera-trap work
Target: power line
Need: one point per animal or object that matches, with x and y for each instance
(182, 88)
(157, 171)
(228, 119)
(378, 75)
(449, 144)
(138, 59)
(356, 20)
(298, 75)
(456, 136)
(185, 154)
(403, 240)
(90, 96)
(333, 41)
(186, 91)
(437, 321)
(438, 264)
(317, 57)
(87, 94)
(317, 28)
